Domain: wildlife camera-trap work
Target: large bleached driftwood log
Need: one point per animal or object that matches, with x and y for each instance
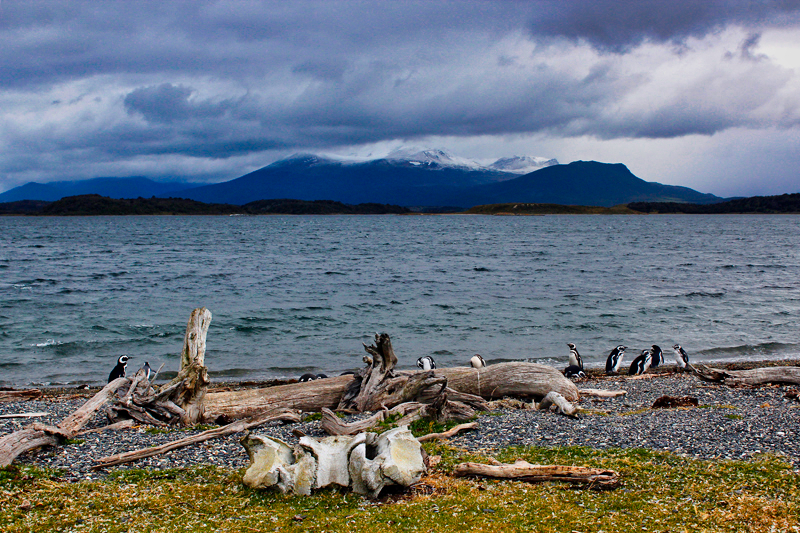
(517, 379)
(37, 435)
(756, 376)
(522, 470)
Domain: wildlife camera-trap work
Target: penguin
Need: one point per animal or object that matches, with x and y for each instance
(574, 371)
(119, 370)
(148, 372)
(574, 357)
(477, 361)
(657, 356)
(307, 377)
(641, 364)
(321, 376)
(681, 358)
(426, 363)
(575, 368)
(614, 361)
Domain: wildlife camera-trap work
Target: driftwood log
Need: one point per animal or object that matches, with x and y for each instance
(524, 471)
(517, 379)
(38, 435)
(756, 376)
(602, 393)
(19, 395)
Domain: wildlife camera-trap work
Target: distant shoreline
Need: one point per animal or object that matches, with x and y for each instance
(96, 205)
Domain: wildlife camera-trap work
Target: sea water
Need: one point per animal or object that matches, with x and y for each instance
(293, 294)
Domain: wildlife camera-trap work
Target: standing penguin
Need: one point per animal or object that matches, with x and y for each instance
(657, 356)
(119, 370)
(148, 372)
(477, 361)
(614, 361)
(681, 358)
(641, 364)
(426, 363)
(575, 368)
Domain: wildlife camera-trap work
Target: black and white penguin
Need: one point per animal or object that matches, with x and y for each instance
(641, 364)
(681, 358)
(657, 356)
(148, 372)
(614, 361)
(574, 371)
(308, 376)
(320, 376)
(575, 368)
(574, 357)
(119, 370)
(426, 363)
(477, 361)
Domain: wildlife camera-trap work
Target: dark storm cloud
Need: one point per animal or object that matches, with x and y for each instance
(167, 103)
(619, 25)
(118, 80)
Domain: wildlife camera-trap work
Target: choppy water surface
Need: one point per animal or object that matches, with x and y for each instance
(291, 294)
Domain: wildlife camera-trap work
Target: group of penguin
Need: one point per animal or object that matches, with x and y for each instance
(648, 359)
(122, 364)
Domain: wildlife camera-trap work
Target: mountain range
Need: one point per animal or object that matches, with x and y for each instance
(406, 177)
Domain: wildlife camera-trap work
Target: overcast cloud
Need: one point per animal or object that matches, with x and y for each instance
(704, 94)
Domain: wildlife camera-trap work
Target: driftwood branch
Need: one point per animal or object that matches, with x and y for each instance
(602, 393)
(449, 433)
(19, 395)
(562, 405)
(234, 427)
(756, 376)
(24, 415)
(37, 435)
(524, 471)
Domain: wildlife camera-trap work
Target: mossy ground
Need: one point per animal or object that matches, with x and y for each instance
(660, 492)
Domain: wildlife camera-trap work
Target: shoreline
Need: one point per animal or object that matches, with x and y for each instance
(728, 424)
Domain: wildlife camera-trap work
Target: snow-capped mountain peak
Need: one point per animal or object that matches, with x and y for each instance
(431, 157)
(522, 164)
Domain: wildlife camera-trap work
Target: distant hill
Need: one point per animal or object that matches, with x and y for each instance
(94, 204)
(782, 204)
(311, 177)
(110, 187)
(581, 183)
(426, 180)
(413, 183)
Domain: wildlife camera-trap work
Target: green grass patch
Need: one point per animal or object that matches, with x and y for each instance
(660, 492)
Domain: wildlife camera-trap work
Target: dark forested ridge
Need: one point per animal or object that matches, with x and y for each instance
(96, 205)
(784, 203)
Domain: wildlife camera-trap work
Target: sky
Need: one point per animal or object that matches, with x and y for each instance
(704, 94)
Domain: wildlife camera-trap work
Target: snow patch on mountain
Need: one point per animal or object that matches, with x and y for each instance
(432, 158)
(522, 164)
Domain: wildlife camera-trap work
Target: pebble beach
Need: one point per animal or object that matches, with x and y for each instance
(728, 423)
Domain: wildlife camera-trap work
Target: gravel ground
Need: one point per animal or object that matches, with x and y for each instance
(731, 423)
